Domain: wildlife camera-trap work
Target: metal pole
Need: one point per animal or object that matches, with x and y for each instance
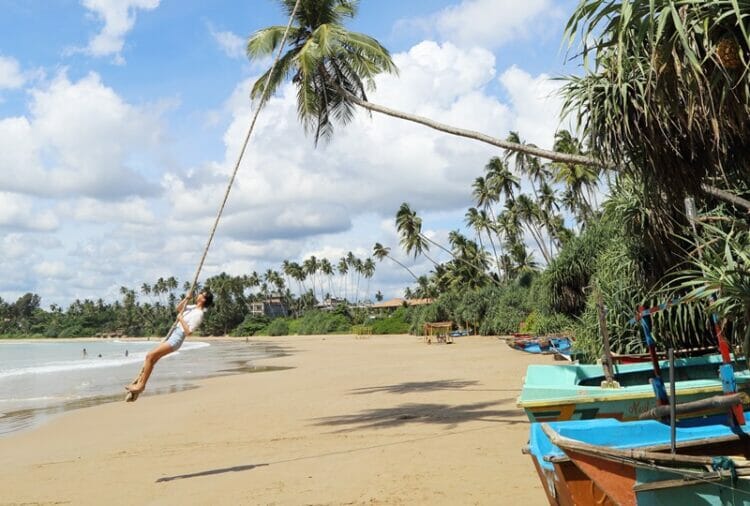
(609, 380)
(672, 404)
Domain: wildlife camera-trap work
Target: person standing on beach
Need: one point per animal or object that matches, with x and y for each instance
(189, 317)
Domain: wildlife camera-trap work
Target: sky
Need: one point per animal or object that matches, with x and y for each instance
(121, 121)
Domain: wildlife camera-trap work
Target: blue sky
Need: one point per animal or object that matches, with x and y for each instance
(120, 120)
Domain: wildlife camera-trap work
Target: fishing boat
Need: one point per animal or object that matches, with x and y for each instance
(609, 462)
(559, 392)
(625, 391)
(541, 345)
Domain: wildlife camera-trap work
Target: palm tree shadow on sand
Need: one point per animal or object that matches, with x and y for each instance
(416, 386)
(450, 416)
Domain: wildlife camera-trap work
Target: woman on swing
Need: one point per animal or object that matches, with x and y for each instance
(189, 317)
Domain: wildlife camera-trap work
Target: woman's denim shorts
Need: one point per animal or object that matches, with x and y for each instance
(176, 338)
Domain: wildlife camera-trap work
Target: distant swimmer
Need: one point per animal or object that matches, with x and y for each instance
(126, 353)
(84, 353)
(188, 319)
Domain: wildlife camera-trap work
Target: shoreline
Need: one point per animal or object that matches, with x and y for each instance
(375, 420)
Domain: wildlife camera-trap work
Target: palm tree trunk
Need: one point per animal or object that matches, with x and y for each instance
(539, 242)
(471, 134)
(405, 267)
(513, 146)
(494, 251)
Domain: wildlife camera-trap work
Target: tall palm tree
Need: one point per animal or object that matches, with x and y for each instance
(380, 252)
(501, 179)
(310, 267)
(527, 164)
(343, 268)
(529, 213)
(479, 221)
(409, 226)
(368, 270)
(359, 269)
(327, 269)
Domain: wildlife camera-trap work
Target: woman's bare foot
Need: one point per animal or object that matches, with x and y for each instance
(133, 393)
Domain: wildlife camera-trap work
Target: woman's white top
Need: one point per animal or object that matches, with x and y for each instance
(192, 316)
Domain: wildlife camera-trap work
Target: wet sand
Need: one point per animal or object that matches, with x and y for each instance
(380, 420)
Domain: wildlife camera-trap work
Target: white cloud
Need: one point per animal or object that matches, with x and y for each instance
(131, 211)
(119, 18)
(19, 212)
(79, 138)
(537, 104)
(11, 76)
(230, 43)
(53, 270)
(487, 23)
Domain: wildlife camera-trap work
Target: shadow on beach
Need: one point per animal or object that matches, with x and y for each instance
(233, 469)
(416, 386)
(451, 416)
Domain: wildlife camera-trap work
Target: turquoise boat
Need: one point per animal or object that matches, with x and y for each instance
(610, 462)
(575, 391)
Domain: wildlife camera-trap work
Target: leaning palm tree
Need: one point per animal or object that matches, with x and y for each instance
(500, 179)
(409, 226)
(380, 252)
(529, 214)
(480, 222)
(333, 68)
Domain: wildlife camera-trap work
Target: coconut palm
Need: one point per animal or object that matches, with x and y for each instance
(380, 252)
(327, 269)
(333, 68)
(368, 270)
(343, 269)
(500, 179)
(480, 221)
(310, 267)
(529, 214)
(526, 163)
(409, 226)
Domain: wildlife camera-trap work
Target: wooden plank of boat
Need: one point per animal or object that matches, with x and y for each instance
(703, 405)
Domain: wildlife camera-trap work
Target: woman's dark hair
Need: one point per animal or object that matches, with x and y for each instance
(209, 298)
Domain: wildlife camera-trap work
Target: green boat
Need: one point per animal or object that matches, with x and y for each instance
(576, 392)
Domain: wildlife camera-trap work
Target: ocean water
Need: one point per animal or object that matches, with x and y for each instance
(41, 379)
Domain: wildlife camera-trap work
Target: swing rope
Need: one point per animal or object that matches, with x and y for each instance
(261, 103)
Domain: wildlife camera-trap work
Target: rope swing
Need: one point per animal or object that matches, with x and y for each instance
(261, 103)
(132, 395)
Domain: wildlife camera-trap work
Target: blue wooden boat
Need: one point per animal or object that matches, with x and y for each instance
(610, 462)
(558, 392)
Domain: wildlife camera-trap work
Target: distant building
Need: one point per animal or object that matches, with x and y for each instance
(393, 304)
(329, 304)
(272, 307)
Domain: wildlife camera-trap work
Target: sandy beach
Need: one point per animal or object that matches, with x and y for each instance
(380, 420)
